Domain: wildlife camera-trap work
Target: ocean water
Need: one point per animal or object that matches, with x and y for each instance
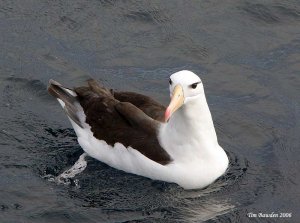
(246, 52)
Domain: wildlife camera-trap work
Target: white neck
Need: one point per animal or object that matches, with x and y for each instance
(190, 133)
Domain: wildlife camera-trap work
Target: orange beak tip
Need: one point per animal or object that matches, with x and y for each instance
(167, 114)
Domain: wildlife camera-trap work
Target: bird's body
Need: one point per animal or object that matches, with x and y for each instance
(127, 131)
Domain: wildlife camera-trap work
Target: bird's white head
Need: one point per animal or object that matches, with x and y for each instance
(185, 86)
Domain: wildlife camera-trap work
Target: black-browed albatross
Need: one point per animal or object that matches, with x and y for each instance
(136, 134)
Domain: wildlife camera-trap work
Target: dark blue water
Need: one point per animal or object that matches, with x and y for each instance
(248, 56)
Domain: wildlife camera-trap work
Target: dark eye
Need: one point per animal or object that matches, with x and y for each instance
(194, 85)
(170, 81)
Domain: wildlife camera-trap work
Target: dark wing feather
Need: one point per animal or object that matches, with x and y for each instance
(60, 92)
(137, 118)
(152, 108)
(115, 121)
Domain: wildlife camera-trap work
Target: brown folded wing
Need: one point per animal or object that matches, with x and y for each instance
(124, 117)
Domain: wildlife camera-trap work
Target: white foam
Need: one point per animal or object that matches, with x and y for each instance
(76, 169)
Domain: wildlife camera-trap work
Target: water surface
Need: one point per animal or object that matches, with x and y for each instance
(248, 56)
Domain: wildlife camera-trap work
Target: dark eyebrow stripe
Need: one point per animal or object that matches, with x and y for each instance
(197, 82)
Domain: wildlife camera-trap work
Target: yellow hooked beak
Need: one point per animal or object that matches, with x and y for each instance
(177, 100)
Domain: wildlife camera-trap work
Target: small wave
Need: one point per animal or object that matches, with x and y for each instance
(67, 176)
